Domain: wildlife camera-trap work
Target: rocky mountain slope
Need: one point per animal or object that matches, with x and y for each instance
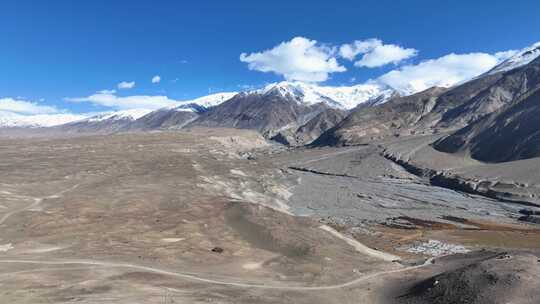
(502, 278)
(268, 113)
(492, 110)
(471, 107)
(396, 117)
(283, 108)
(165, 119)
(106, 122)
(143, 120)
(511, 132)
(311, 130)
(293, 113)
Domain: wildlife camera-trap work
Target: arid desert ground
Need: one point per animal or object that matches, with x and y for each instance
(223, 216)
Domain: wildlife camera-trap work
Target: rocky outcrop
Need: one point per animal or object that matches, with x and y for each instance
(496, 278)
(493, 117)
(510, 133)
(397, 117)
(164, 119)
(446, 179)
(311, 130)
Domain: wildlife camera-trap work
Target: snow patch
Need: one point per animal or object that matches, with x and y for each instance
(343, 97)
(213, 99)
(523, 57)
(132, 114)
(203, 103)
(13, 120)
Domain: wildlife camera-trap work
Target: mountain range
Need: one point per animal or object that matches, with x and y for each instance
(278, 110)
(492, 117)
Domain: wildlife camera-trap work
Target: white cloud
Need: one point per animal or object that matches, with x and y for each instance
(107, 91)
(126, 85)
(445, 71)
(156, 79)
(25, 107)
(350, 51)
(15, 112)
(375, 53)
(128, 102)
(300, 59)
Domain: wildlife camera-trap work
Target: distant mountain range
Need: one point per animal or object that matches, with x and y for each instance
(493, 117)
(281, 110)
(277, 109)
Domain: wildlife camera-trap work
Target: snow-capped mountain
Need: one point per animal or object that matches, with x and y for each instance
(188, 107)
(106, 122)
(130, 115)
(294, 111)
(203, 103)
(342, 97)
(212, 100)
(523, 57)
(14, 120)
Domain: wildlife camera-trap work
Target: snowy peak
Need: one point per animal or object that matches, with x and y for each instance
(213, 99)
(128, 115)
(351, 97)
(190, 107)
(202, 104)
(520, 59)
(13, 120)
(344, 97)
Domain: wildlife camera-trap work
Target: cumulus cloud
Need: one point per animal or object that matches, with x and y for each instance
(375, 53)
(350, 51)
(445, 71)
(24, 107)
(16, 112)
(156, 79)
(111, 100)
(126, 85)
(300, 59)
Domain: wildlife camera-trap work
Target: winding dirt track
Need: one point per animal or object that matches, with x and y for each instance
(361, 247)
(197, 278)
(37, 201)
(193, 277)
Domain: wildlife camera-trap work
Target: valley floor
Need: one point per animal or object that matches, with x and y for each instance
(222, 216)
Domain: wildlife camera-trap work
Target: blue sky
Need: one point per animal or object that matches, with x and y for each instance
(52, 51)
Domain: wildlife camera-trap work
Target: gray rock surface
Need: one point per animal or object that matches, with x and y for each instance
(510, 133)
(501, 278)
(269, 113)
